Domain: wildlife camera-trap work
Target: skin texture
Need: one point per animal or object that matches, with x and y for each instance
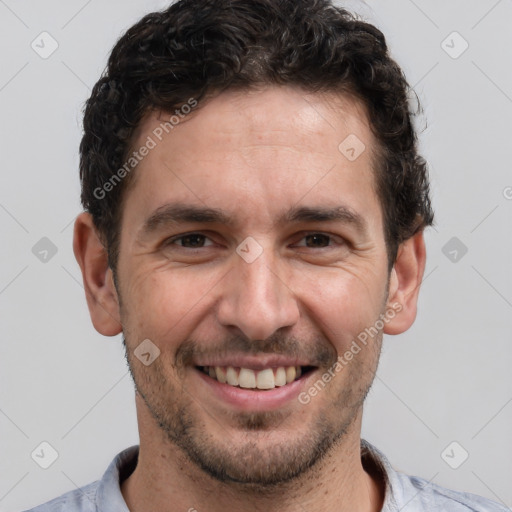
(254, 155)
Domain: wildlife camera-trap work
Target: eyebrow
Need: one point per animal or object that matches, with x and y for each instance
(178, 213)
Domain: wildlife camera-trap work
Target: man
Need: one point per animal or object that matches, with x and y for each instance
(255, 207)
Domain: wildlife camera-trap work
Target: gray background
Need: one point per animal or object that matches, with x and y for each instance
(447, 379)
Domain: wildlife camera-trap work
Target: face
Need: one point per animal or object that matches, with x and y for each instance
(251, 243)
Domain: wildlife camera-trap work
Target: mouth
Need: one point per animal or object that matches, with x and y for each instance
(261, 380)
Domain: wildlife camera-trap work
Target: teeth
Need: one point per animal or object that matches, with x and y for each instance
(232, 376)
(246, 378)
(265, 379)
(280, 378)
(221, 374)
(268, 378)
(291, 373)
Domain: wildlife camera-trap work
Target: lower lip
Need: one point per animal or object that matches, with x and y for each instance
(254, 399)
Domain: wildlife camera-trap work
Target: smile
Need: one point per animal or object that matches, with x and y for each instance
(267, 378)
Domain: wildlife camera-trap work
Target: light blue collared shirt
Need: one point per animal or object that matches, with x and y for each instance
(403, 492)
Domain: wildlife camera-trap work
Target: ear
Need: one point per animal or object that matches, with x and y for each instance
(404, 284)
(100, 291)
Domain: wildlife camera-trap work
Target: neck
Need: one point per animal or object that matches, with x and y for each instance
(166, 480)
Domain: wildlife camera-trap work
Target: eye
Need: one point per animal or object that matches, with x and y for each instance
(199, 241)
(318, 240)
(188, 241)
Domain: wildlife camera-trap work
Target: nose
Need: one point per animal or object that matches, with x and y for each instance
(256, 299)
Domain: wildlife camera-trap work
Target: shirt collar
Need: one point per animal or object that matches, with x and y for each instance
(109, 496)
(371, 456)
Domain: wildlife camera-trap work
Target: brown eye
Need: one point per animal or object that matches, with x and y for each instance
(188, 241)
(319, 241)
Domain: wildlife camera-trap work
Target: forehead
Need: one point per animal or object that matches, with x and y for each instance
(259, 150)
(271, 115)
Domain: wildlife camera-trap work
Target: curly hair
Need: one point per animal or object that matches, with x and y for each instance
(196, 48)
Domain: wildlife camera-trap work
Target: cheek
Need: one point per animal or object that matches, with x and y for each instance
(344, 303)
(164, 302)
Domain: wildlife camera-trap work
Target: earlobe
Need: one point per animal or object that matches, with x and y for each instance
(404, 283)
(97, 276)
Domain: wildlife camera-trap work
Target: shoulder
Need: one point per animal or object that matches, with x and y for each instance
(425, 495)
(79, 500)
(418, 494)
(101, 495)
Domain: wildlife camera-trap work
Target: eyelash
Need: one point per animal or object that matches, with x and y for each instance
(170, 241)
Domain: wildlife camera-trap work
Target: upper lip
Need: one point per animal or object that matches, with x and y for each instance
(256, 363)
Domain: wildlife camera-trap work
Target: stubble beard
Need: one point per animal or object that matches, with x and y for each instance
(259, 462)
